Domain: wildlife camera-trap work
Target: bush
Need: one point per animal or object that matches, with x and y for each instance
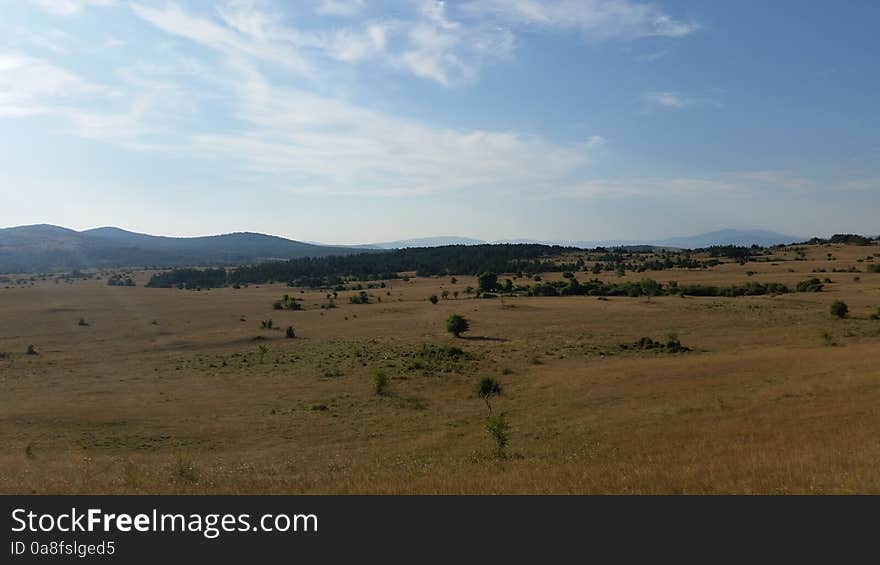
(82, 322)
(433, 299)
(266, 324)
(361, 298)
(840, 309)
(380, 382)
(31, 350)
(457, 324)
(499, 429)
(809, 285)
(289, 332)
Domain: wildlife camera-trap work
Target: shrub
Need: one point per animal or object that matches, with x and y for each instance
(809, 285)
(289, 332)
(262, 350)
(839, 309)
(445, 295)
(433, 299)
(31, 350)
(361, 298)
(457, 324)
(486, 389)
(380, 382)
(499, 429)
(266, 324)
(82, 322)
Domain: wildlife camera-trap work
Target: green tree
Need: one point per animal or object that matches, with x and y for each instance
(486, 389)
(457, 324)
(487, 282)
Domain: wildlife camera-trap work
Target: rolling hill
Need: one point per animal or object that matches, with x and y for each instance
(52, 248)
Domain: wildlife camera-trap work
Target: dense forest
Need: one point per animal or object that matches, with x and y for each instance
(424, 261)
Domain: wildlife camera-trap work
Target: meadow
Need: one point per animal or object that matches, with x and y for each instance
(162, 390)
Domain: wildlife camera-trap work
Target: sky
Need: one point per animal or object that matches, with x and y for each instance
(355, 121)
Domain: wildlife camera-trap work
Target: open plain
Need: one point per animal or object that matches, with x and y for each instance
(183, 391)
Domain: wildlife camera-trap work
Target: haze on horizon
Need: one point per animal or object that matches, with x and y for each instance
(354, 121)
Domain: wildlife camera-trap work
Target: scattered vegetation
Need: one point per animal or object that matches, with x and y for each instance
(287, 302)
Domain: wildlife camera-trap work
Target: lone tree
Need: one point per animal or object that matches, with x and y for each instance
(486, 389)
(456, 324)
(499, 429)
(487, 281)
(840, 309)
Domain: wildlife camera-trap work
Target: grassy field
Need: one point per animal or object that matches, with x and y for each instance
(168, 391)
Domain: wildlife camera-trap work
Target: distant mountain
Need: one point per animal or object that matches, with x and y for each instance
(52, 248)
(721, 237)
(729, 237)
(438, 241)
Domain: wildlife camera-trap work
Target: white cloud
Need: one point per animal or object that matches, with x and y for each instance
(314, 144)
(339, 7)
(30, 86)
(667, 100)
(247, 32)
(69, 7)
(598, 20)
(671, 100)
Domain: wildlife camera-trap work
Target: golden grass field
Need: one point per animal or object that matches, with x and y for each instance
(777, 396)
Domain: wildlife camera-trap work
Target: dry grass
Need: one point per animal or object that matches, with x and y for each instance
(764, 403)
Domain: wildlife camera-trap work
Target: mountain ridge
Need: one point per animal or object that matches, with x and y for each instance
(46, 247)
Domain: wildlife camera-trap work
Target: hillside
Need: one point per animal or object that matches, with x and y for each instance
(52, 248)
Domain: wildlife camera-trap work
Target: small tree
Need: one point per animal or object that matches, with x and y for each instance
(289, 332)
(31, 350)
(499, 429)
(380, 382)
(445, 295)
(840, 309)
(486, 389)
(456, 324)
(433, 299)
(453, 280)
(487, 281)
(263, 350)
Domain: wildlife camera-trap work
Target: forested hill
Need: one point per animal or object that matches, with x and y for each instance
(52, 248)
(425, 261)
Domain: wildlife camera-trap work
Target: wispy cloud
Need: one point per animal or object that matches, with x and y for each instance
(671, 100)
(598, 20)
(346, 8)
(69, 7)
(30, 86)
(313, 144)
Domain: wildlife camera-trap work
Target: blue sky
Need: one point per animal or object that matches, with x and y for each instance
(346, 121)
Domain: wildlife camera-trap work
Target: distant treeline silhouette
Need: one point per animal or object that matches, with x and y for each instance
(424, 261)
